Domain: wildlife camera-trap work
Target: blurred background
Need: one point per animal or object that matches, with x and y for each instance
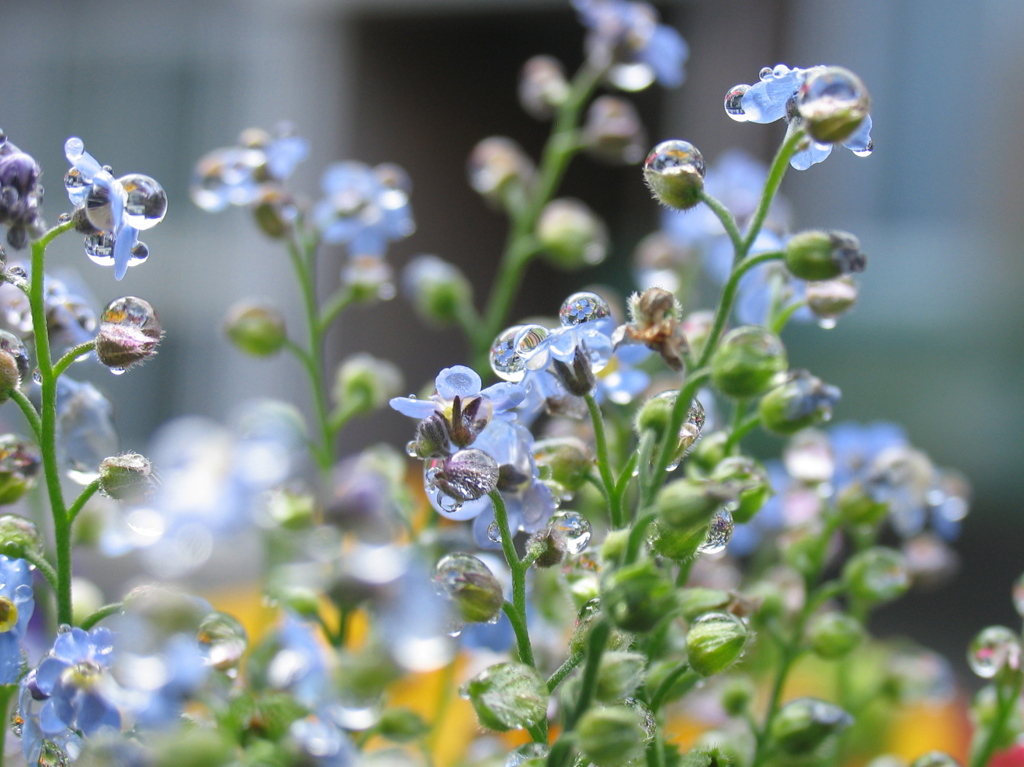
(936, 342)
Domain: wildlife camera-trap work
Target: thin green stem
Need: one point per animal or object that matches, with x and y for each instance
(48, 429)
(563, 671)
(87, 492)
(29, 411)
(516, 611)
(661, 694)
(637, 535)
(43, 565)
(740, 431)
(617, 501)
(783, 317)
(670, 443)
(334, 306)
(603, 459)
(779, 166)
(8, 693)
(1007, 697)
(104, 612)
(72, 355)
(728, 220)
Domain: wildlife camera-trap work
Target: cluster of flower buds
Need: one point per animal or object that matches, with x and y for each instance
(21, 195)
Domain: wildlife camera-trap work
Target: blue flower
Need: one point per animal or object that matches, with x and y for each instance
(773, 98)
(116, 208)
(75, 685)
(364, 208)
(16, 607)
(627, 38)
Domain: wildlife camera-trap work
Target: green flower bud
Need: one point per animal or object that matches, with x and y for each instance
(438, 289)
(542, 86)
(619, 674)
(290, 508)
(613, 548)
(275, 211)
(127, 477)
(750, 479)
(737, 694)
(256, 328)
(715, 641)
(468, 582)
(20, 462)
(857, 507)
(638, 596)
(706, 755)
(799, 401)
(833, 102)
(613, 131)
(402, 725)
(877, 575)
(747, 360)
(656, 415)
(833, 634)
(303, 601)
(686, 505)
(817, 255)
(675, 544)
(508, 696)
(674, 172)
(500, 170)
(805, 723)
(611, 737)
(830, 299)
(694, 602)
(571, 235)
(365, 383)
(564, 463)
(18, 536)
(589, 614)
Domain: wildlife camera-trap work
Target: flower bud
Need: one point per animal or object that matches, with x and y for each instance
(303, 601)
(695, 601)
(686, 505)
(619, 674)
(571, 235)
(817, 255)
(256, 328)
(613, 131)
(471, 586)
(14, 364)
(20, 462)
(830, 299)
(438, 289)
(290, 508)
(586, 618)
(750, 479)
(402, 725)
(654, 320)
(737, 694)
(656, 415)
(508, 696)
(611, 737)
(708, 453)
(876, 575)
(805, 723)
(499, 170)
(708, 755)
(127, 477)
(564, 463)
(858, 507)
(128, 335)
(467, 475)
(275, 211)
(368, 278)
(638, 596)
(18, 536)
(577, 378)
(833, 634)
(364, 383)
(834, 102)
(542, 86)
(746, 361)
(799, 401)
(674, 172)
(675, 544)
(715, 641)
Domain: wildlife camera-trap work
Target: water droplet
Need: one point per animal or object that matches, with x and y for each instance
(647, 718)
(117, 371)
(77, 186)
(994, 649)
(52, 755)
(765, 73)
(145, 201)
(63, 218)
(573, 528)
(99, 247)
(583, 307)
(689, 431)
(1018, 595)
(224, 641)
(505, 363)
(100, 205)
(140, 252)
(494, 532)
(528, 755)
(17, 723)
(719, 533)
(675, 157)
(448, 504)
(734, 102)
(13, 346)
(529, 342)
(866, 151)
(410, 449)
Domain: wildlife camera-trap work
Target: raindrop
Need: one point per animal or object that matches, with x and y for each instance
(494, 532)
(865, 151)
(63, 218)
(145, 201)
(583, 307)
(52, 755)
(689, 431)
(719, 533)
(573, 528)
(100, 205)
(765, 73)
(528, 755)
(224, 641)
(99, 247)
(77, 186)
(13, 346)
(734, 102)
(647, 718)
(140, 252)
(117, 371)
(528, 341)
(994, 649)
(832, 94)
(675, 157)
(505, 363)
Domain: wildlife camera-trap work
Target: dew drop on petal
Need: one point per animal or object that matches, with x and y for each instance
(866, 151)
(765, 73)
(99, 247)
(101, 205)
(140, 252)
(583, 307)
(994, 649)
(77, 186)
(73, 148)
(505, 363)
(719, 533)
(573, 528)
(734, 102)
(145, 201)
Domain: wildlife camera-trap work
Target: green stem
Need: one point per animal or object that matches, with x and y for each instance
(334, 306)
(1007, 697)
(104, 612)
(637, 535)
(740, 431)
(596, 641)
(668, 447)
(48, 429)
(783, 317)
(603, 460)
(728, 220)
(43, 565)
(658, 699)
(29, 411)
(616, 502)
(72, 355)
(775, 175)
(563, 671)
(83, 498)
(8, 693)
(516, 611)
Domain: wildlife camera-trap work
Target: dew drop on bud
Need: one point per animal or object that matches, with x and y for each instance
(223, 640)
(573, 529)
(719, 533)
(583, 307)
(994, 649)
(146, 201)
(13, 346)
(528, 755)
(129, 332)
(734, 102)
(505, 363)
